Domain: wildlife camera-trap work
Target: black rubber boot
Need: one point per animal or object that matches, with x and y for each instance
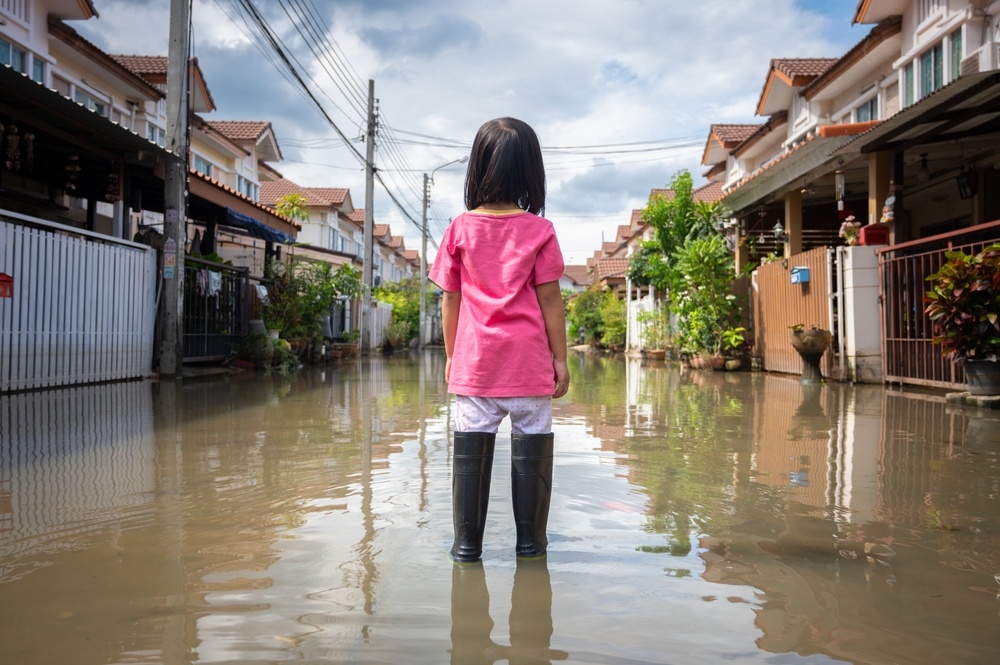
(470, 492)
(531, 487)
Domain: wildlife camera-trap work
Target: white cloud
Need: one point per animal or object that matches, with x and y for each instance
(582, 72)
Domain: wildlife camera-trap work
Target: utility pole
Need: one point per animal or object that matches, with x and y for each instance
(366, 277)
(423, 266)
(175, 191)
(428, 181)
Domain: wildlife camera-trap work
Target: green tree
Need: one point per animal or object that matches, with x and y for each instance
(404, 297)
(583, 313)
(294, 206)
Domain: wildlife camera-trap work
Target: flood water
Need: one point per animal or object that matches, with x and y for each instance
(697, 517)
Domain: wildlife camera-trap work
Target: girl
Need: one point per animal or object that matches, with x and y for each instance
(504, 333)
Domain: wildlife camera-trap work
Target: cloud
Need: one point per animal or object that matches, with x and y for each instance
(582, 72)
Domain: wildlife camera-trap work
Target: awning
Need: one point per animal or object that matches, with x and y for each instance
(255, 228)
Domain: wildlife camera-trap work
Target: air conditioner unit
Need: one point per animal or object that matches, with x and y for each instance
(970, 64)
(984, 59)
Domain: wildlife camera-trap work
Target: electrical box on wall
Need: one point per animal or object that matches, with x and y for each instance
(800, 275)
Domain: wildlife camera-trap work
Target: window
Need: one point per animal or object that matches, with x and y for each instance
(334, 239)
(247, 188)
(202, 165)
(37, 70)
(927, 7)
(156, 135)
(359, 249)
(909, 87)
(61, 86)
(91, 103)
(867, 111)
(932, 70)
(956, 54)
(11, 56)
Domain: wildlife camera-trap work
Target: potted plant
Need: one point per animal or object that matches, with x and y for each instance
(810, 343)
(963, 304)
(850, 230)
(732, 344)
(654, 332)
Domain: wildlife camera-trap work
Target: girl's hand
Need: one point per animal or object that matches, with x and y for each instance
(562, 378)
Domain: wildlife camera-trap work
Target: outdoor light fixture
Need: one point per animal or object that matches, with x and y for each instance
(779, 232)
(923, 173)
(967, 184)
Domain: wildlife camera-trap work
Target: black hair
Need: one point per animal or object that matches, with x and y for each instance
(505, 166)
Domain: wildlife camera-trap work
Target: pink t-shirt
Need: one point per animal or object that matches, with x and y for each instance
(496, 261)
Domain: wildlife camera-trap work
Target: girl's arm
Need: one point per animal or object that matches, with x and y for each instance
(451, 302)
(554, 314)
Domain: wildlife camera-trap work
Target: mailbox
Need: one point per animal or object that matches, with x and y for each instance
(875, 234)
(6, 285)
(800, 275)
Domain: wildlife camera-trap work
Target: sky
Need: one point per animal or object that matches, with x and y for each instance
(621, 93)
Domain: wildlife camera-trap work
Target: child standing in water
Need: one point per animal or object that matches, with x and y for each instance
(504, 333)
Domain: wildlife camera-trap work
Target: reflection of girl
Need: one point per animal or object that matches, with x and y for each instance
(504, 331)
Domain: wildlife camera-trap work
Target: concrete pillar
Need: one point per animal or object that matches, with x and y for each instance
(793, 223)
(879, 176)
(741, 254)
(861, 314)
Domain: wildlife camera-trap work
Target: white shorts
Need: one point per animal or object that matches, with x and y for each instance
(528, 415)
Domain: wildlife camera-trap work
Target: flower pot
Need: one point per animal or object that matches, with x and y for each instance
(733, 364)
(982, 377)
(656, 354)
(811, 344)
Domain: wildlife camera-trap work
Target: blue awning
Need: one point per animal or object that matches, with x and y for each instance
(255, 228)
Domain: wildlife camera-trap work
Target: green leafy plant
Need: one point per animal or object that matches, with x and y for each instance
(613, 315)
(733, 340)
(963, 304)
(655, 328)
(583, 314)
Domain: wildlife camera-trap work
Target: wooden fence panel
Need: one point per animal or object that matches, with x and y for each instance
(82, 309)
(778, 304)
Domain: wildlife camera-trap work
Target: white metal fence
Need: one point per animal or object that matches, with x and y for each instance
(83, 306)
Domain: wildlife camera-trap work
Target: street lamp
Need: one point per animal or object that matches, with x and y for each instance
(428, 181)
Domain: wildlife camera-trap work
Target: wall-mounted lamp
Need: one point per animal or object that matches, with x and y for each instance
(967, 184)
(779, 232)
(923, 173)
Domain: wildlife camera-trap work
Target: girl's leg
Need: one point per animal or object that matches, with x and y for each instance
(472, 469)
(531, 471)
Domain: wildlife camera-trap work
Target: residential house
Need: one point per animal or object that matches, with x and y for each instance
(83, 176)
(901, 129)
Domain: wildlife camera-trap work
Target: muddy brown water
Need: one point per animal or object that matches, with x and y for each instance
(697, 517)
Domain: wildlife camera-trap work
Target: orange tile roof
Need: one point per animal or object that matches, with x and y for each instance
(396, 242)
(411, 255)
(335, 195)
(610, 269)
(357, 216)
(666, 193)
(240, 130)
(381, 230)
(624, 232)
(732, 133)
(578, 274)
(637, 217)
(796, 68)
(143, 64)
(609, 247)
(709, 193)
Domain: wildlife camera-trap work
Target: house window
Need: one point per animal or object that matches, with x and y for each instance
(37, 70)
(956, 54)
(932, 70)
(247, 188)
(359, 250)
(11, 56)
(91, 103)
(156, 135)
(202, 165)
(867, 111)
(334, 239)
(925, 8)
(909, 85)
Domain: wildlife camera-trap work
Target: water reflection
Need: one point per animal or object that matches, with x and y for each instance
(530, 619)
(696, 517)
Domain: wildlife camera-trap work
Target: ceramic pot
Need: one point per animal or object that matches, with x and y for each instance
(982, 377)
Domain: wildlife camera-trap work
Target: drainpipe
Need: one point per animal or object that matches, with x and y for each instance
(841, 342)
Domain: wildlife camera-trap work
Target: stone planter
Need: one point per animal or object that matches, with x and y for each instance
(982, 377)
(811, 344)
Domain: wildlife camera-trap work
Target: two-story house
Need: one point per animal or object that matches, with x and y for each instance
(902, 130)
